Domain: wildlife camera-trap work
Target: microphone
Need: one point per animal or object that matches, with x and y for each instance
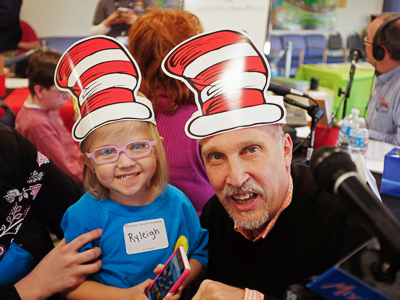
(282, 91)
(313, 110)
(355, 55)
(334, 170)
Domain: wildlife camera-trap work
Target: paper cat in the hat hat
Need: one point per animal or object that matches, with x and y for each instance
(229, 78)
(104, 78)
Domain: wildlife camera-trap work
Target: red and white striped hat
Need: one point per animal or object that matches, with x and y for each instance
(104, 78)
(229, 78)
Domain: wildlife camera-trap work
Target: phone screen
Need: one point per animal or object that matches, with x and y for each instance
(168, 277)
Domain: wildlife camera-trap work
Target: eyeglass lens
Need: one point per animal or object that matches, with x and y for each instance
(366, 40)
(132, 150)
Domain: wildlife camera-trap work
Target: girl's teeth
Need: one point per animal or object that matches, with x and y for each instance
(128, 176)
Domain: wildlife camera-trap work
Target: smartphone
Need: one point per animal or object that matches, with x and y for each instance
(175, 271)
(122, 9)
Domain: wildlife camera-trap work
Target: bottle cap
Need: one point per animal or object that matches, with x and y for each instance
(355, 111)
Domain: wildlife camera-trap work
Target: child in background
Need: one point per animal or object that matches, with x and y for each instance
(39, 119)
(142, 217)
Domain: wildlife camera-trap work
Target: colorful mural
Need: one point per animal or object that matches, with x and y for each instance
(304, 14)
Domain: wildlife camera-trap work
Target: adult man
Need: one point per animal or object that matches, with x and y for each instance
(279, 227)
(270, 226)
(10, 31)
(383, 52)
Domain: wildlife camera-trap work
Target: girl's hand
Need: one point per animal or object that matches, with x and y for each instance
(178, 292)
(158, 268)
(138, 292)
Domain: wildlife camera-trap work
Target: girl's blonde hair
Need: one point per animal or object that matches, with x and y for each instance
(159, 180)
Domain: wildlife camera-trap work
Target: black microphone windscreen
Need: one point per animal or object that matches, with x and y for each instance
(274, 88)
(355, 54)
(328, 163)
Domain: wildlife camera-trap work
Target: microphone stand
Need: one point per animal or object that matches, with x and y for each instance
(43, 47)
(20, 57)
(316, 113)
(347, 92)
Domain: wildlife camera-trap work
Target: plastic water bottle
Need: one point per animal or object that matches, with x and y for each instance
(359, 137)
(347, 124)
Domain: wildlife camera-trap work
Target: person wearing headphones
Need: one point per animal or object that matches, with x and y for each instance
(383, 52)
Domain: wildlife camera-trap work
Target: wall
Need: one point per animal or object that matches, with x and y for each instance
(356, 15)
(74, 17)
(59, 17)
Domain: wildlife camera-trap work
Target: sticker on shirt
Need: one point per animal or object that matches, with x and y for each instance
(182, 241)
(145, 236)
(383, 105)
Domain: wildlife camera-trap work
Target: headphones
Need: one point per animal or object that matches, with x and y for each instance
(377, 50)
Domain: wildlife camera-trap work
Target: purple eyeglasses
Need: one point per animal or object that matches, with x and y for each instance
(110, 154)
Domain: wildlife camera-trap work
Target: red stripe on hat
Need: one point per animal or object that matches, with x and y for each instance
(106, 97)
(74, 55)
(107, 68)
(242, 99)
(243, 64)
(179, 59)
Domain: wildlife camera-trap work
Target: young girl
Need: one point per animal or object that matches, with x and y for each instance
(142, 217)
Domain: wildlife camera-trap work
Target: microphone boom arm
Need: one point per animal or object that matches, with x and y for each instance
(316, 113)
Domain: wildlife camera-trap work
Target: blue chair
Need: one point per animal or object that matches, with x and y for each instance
(337, 53)
(276, 46)
(354, 41)
(317, 49)
(299, 47)
(276, 56)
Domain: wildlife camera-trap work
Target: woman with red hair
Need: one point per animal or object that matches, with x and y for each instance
(151, 37)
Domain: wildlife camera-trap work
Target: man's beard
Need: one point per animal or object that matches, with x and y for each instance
(249, 221)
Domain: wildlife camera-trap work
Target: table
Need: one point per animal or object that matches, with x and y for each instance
(336, 76)
(392, 202)
(17, 97)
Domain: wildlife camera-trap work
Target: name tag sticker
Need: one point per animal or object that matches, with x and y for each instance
(145, 236)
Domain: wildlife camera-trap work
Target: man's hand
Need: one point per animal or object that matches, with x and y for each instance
(61, 269)
(213, 290)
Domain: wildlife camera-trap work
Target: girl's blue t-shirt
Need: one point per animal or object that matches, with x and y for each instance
(132, 248)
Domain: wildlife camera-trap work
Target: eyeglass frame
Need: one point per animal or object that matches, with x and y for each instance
(65, 95)
(366, 40)
(119, 150)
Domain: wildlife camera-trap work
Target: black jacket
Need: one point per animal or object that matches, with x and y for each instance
(309, 237)
(10, 31)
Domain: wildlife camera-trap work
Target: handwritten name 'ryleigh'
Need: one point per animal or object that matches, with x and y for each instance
(143, 235)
